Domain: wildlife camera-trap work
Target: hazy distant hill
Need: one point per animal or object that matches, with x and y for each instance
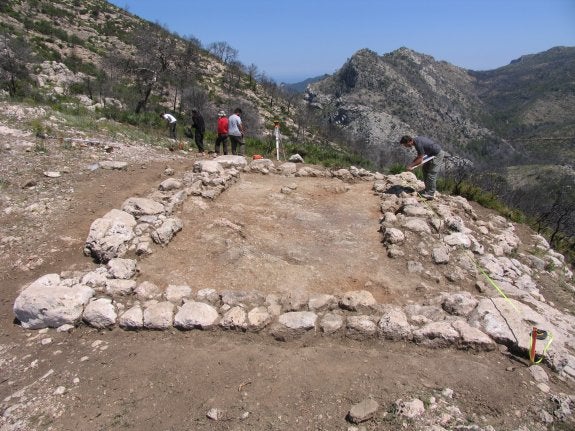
(300, 87)
(109, 54)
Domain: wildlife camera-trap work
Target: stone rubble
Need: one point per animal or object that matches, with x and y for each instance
(447, 230)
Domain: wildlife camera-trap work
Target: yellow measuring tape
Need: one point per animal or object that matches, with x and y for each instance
(496, 287)
(538, 332)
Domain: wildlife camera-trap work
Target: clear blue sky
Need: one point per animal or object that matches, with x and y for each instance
(291, 40)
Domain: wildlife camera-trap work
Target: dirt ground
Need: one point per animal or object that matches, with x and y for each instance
(316, 239)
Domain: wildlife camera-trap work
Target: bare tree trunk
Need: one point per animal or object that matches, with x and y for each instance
(142, 103)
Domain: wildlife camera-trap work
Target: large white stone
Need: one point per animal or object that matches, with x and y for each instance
(164, 234)
(142, 206)
(298, 320)
(47, 305)
(235, 318)
(357, 299)
(110, 235)
(133, 318)
(100, 313)
(159, 315)
(393, 325)
(196, 315)
(258, 318)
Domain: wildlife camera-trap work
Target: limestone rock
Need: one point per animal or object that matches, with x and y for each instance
(360, 327)
(159, 315)
(298, 320)
(176, 293)
(122, 268)
(409, 409)
(170, 184)
(235, 318)
(45, 304)
(147, 290)
(113, 165)
(258, 318)
(356, 300)
(393, 236)
(393, 325)
(331, 323)
(193, 315)
(436, 335)
(110, 235)
(100, 313)
(142, 206)
(120, 287)
(471, 337)
(132, 318)
(459, 304)
(363, 411)
(321, 301)
(164, 234)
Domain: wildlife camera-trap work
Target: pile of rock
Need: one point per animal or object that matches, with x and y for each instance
(452, 243)
(142, 222)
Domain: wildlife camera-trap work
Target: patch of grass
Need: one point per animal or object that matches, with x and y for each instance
(485, 199)
(38, 127)
(397, 168)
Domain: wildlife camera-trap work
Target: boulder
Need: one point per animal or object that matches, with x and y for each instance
(142, 206)
(159, 315)
(100, 313)
(164, 234)
(193, 315)
(110, 236)
(46, 303)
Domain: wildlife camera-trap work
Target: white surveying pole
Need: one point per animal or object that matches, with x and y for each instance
(277, 135)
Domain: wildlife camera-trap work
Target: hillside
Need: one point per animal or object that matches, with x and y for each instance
(146, 287)
(514, 113)
(325, 299)
(93, 55)
(531, 103)
(99, 57)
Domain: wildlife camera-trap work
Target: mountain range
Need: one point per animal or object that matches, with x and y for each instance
(516, 114)
(511, 115)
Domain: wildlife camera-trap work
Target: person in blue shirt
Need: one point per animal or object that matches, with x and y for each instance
(425, 147)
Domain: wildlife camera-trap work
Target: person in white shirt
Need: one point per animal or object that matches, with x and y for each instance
(236, 132)
(171, 123)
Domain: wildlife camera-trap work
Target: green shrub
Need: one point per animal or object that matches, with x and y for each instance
(397, 168)
(323, 155)
(52, 10)
(482, 197)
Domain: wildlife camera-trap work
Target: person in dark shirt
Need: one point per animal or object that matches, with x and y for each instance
(425, 147)
(200, 128)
